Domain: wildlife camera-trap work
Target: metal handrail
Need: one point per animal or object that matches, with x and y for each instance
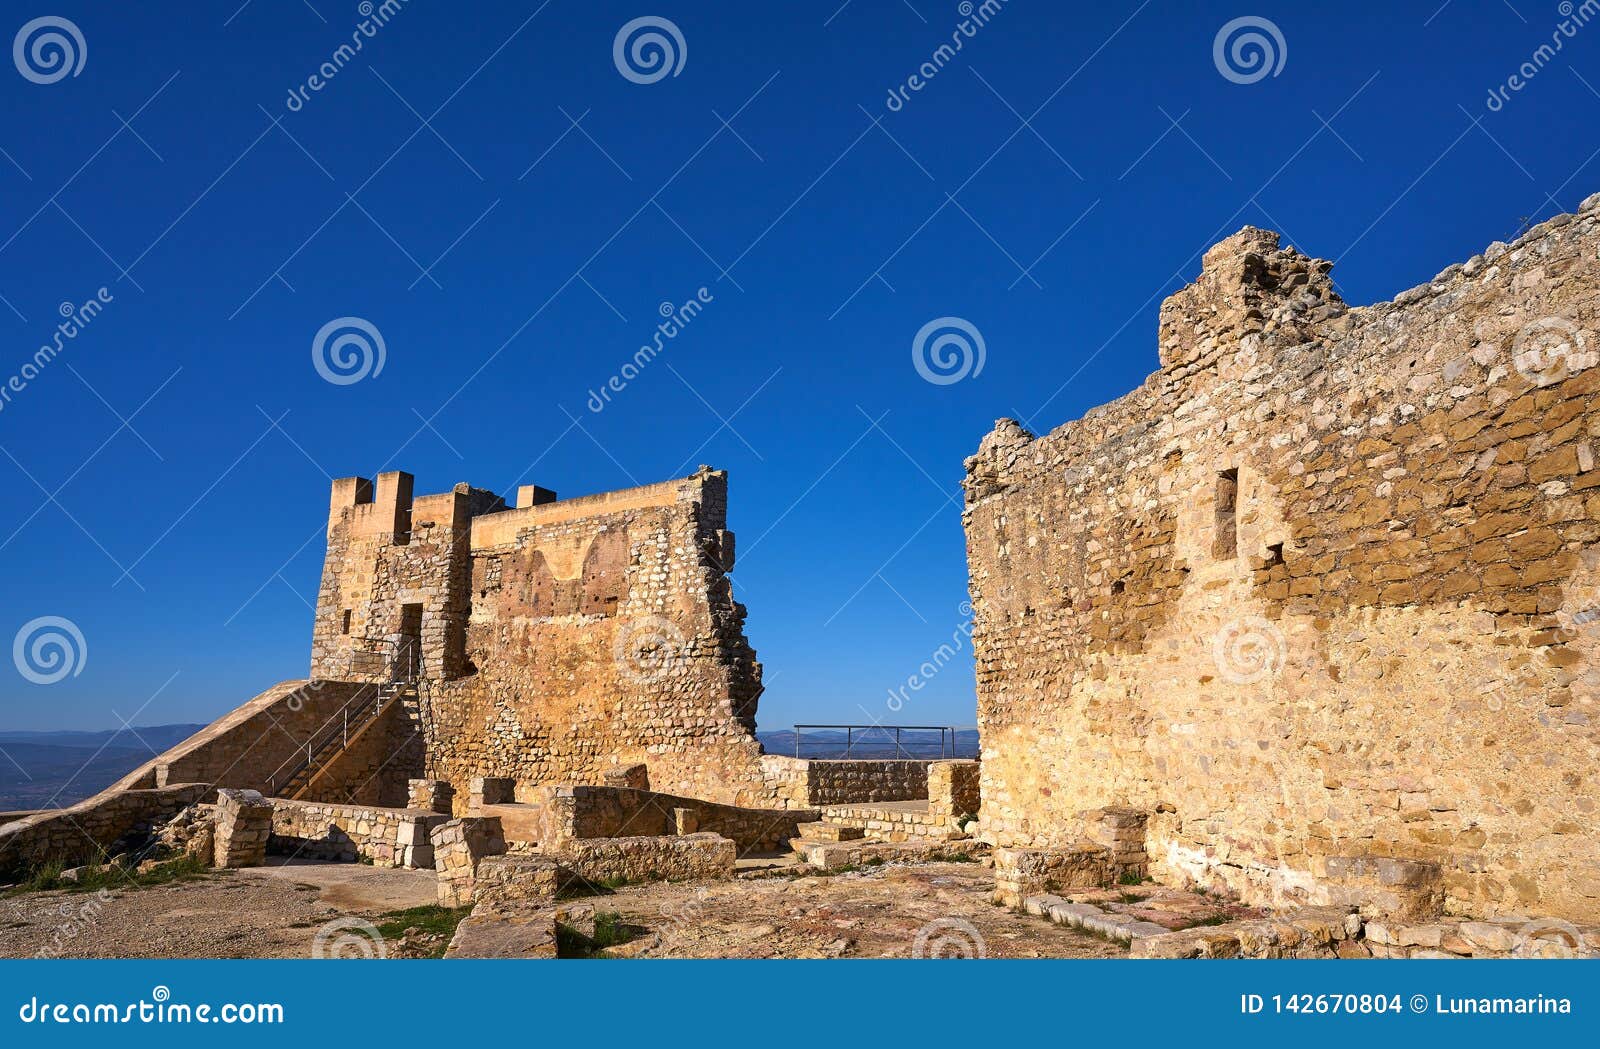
(365, 706)
(947, 737)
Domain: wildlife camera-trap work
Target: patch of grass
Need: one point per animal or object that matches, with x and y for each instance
(97, 876)
(1131, 878)
(609, 931)
(434, 919)
(1210, 919)
(1129, 897)
(873, 861)
(951, 857)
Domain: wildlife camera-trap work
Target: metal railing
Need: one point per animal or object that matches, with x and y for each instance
(883, 742)
(331, 737)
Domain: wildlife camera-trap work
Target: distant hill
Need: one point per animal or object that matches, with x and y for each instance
(827, 744)
(53, 769)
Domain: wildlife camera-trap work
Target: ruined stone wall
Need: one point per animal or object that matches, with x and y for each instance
(558, 640)
(568, 813)
(1326, 585)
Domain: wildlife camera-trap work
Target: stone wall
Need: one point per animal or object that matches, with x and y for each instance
(382, 836)
(560, 641)
(459, 847)
(685, 857)
(953, 789)
(808, 783)
(584, 812)
(81, 833)
(1326, 584)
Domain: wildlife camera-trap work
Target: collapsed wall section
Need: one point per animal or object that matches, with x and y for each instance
(1325, 586)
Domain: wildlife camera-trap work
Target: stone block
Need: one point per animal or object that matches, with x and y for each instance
(243, 825)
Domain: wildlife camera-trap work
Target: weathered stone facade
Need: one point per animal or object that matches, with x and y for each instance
(556, 641)
(1326, 586)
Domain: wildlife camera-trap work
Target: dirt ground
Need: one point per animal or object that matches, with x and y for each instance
(935, 909)
(275, 911)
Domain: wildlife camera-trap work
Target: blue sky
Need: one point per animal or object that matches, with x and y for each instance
(484, 186)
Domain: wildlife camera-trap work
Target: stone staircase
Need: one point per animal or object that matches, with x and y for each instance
(293, 778)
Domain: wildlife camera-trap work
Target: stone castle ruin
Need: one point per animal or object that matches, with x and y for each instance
(566, 683)
(1316, 605)
(1310, 620)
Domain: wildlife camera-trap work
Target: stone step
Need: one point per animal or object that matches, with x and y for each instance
(824, 831)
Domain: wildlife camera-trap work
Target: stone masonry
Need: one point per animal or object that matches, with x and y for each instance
(1327, 585)
(243, 825)
(557, 640)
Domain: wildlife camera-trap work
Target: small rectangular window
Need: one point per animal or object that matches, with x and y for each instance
(344, 626)
(1227, 541)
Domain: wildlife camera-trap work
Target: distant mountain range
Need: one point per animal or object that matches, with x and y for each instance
(53, 769)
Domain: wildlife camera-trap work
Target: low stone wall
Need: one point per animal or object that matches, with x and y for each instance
(81, 833)
(893, 824)
(953, 788)
(807, 783)
(569, 813)
(1020, 873)
(1337, 932)
(505, 879)
(322, 830)
(681, 857)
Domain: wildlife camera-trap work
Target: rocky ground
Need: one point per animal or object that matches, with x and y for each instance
(267, 912)
(307, 908)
